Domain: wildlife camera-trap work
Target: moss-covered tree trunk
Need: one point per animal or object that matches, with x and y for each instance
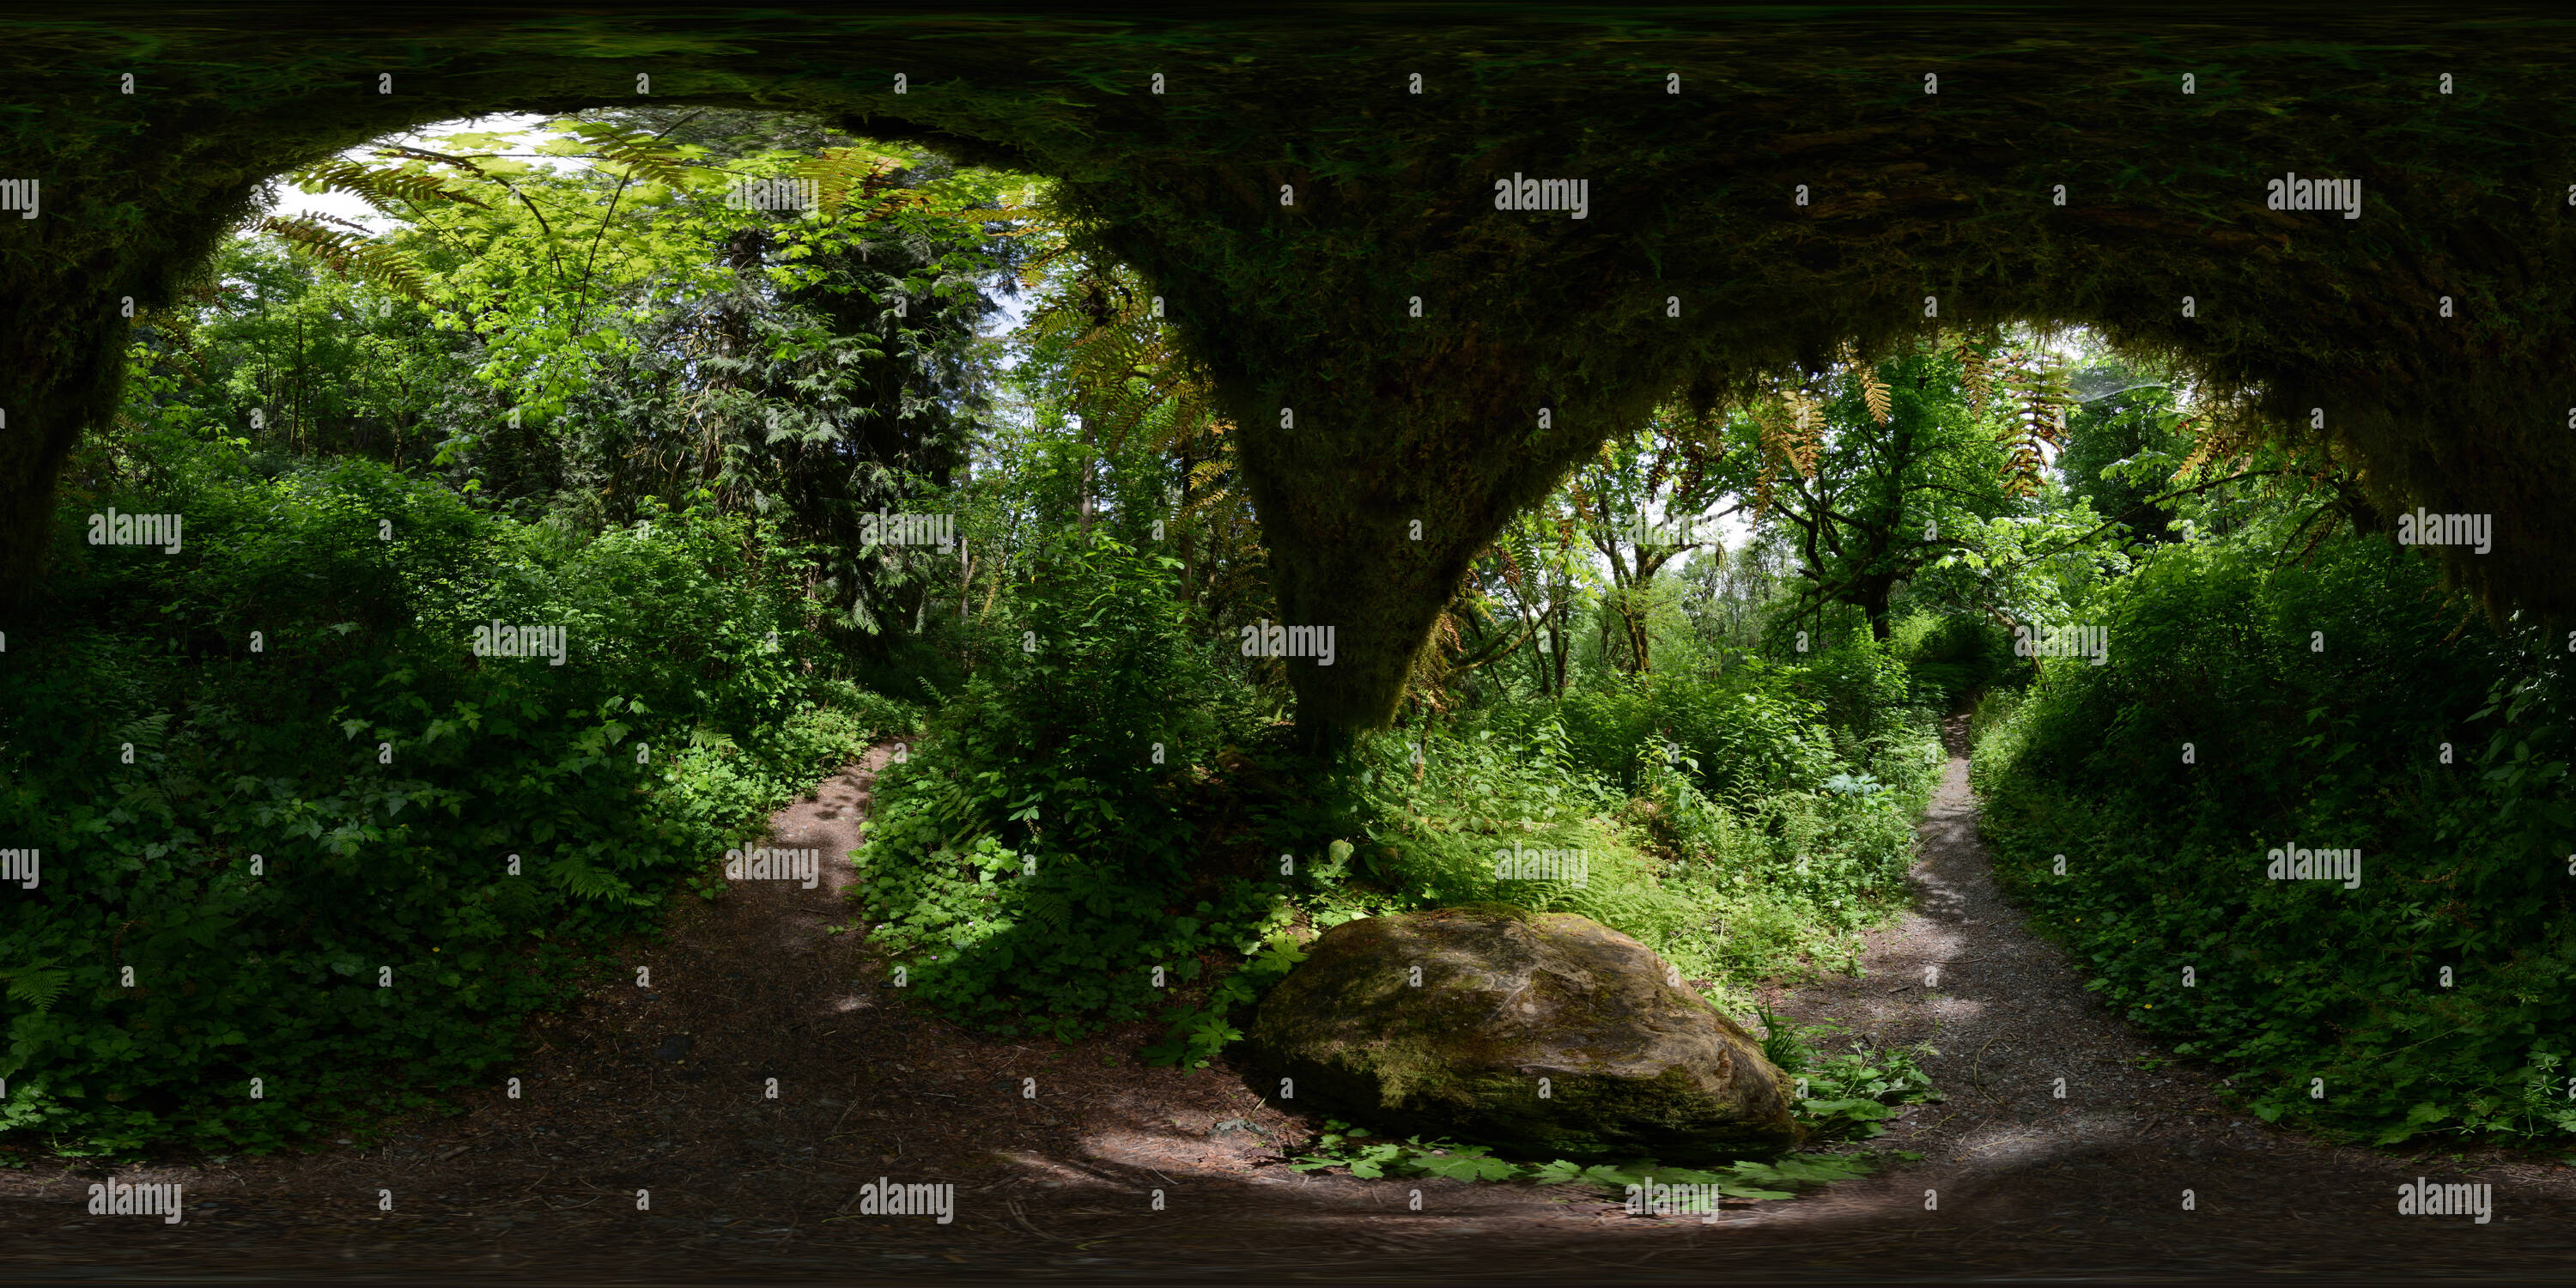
(59, 369)
(1377, 499)
(1396, 401)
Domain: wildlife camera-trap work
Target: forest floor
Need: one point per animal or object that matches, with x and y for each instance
(665, 1089)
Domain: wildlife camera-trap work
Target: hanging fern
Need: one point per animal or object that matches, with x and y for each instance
(1975, 370)
(379, 188)
(836, 171)
(1791, 428)
(1874, 392)
(1127, 376)
(2040, 398)
(351, 254)
(2222, 439)
(644, 156)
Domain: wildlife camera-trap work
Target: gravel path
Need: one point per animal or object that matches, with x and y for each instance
(2092, 1184)
(745, 1188)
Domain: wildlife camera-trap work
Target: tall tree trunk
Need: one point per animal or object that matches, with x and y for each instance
(1087, 464)
(1561, 649)
(1637, 642)
(1875, 591)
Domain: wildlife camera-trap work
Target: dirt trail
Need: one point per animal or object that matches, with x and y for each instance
(665, 1088)
(2093, 1184)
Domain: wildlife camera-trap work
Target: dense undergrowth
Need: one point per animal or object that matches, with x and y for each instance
(1105, 815)
(303, 852)
(2339, 706)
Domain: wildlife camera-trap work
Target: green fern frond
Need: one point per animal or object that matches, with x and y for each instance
(1051, 909)
(577, 877)
(467, 165)
(838, 170)
(378, 188)
(351, 254)
(37, 986)
(644, 156)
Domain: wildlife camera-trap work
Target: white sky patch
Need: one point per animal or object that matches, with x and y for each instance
(1014, 310)
(1737, 529)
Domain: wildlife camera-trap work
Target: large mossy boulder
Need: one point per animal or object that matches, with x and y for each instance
(1635, 1064)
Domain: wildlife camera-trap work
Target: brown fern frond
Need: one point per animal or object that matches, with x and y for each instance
(2039, 398)
(1875, 393)
(1789, 430)
(2202, 449)
(2223, 440)
(1808, 440)
(1975, 370)
(1770, 427)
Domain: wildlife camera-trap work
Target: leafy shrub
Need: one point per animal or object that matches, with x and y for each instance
(1778, 880)
(1948, 658)
(1750, 730)
(1031, 864)
(1861, 691)
(262, 836)
(1730, 890)
(1432, 842)
(1853, 1093)
(1201, 1032)
(2463, 863)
